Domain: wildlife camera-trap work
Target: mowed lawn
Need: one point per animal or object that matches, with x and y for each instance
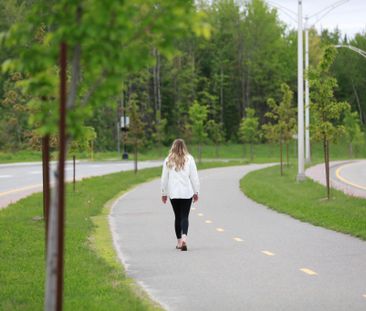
(94, 278)
(306, 200)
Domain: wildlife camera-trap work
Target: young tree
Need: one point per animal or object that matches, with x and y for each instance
(326, 110)
(135, 134)
(354, 135)
(159, 135)
(104, 42)
(85, 142)
(249, 130)
(283, 120)
(215, 133)
(198, 117)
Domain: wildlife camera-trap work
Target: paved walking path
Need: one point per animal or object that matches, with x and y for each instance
(347, 176)
(242, 255)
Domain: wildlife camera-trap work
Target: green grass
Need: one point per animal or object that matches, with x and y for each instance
(262, 153)
(94, 278)
(306, 200)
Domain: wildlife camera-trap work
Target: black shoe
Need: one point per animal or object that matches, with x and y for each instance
(184, 247)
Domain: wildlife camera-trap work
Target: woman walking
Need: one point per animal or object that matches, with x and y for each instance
(180, 182)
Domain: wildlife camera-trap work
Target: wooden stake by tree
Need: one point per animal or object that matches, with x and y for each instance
(249, 130)
(283, 116)
(326, 110)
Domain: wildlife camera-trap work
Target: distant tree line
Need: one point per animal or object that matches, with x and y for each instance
(206, 90)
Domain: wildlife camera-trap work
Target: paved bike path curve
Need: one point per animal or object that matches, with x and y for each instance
(242, 255)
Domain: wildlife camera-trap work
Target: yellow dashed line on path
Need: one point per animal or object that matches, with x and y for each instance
(364, 295)
(193, 208)
(338, 174)
(208, 222)
(220, 230)
(200, 214)
(308, 271)
(238, 239)
(268, 253)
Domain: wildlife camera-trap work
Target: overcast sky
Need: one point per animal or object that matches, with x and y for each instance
(350, 17)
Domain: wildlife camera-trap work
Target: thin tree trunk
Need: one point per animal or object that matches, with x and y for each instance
(158, 91)
(54, 262)
(199, 152)
(358, 103)
(326, 160)
(251, 152)
(281, 160)
(222, 93)
(217, 150)
(135, 159)
(287, 154)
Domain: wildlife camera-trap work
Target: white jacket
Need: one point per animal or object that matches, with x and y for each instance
(180, 184)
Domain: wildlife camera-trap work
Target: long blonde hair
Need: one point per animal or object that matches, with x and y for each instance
(177, 155)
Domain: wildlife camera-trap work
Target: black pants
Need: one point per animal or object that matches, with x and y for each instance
(181, 209)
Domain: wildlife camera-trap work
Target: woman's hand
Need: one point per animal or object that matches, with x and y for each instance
(195, 198)
(164, 198)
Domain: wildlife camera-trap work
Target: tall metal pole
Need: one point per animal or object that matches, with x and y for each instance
(307, 100)
(300, 97)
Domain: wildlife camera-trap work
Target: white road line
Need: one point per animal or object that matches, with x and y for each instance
(6, 176)
(208, 221)
(364, 295)
(268, 253)
(35, 172)
(237, 239)
(308, 271)
(193, 208)
(220, 230)
(200, 214)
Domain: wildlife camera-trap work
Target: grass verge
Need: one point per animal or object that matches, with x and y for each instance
(306, 200)
(94, 278)
(263, 153)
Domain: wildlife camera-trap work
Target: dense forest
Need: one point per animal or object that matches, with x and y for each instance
(249, 55)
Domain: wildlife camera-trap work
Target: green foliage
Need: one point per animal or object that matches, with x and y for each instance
(198, 117)
(354, 135)
(215, 132)
(159, 135)
(249, 127)
(283, 115)
(85, 142)
(225, 54)
(249, 130)
(281, 128)
(96, 33)
(326, 111)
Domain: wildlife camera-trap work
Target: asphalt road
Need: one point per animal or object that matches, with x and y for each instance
(21, 179)
(241, 255)
(347, 176)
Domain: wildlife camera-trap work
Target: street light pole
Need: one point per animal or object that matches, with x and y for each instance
(300, 96)
(307, 100)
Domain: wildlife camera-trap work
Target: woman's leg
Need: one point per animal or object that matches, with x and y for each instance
(177, 221)
(185, 208)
